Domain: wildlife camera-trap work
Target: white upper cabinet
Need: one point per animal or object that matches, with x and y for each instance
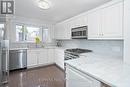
(94, 24)
(58, 33)
(79, 21)
(67, 30)
(112, 21)
(104, 22)
(63, 29)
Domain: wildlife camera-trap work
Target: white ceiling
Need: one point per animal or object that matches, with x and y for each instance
(59, 11)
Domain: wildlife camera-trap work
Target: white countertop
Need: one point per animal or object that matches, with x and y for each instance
(108, 69)
(47, 47)
(18, 48)
(33, 48)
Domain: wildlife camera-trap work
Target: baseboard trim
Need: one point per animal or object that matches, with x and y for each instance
(43, 66)
(59, 67)
(37, 67)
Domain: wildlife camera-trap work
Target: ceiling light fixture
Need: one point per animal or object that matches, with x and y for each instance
(44, 4)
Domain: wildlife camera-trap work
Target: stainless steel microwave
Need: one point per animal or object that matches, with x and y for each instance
(79, 32)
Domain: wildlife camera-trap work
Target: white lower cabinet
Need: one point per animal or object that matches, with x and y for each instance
(75, 78)
(59, 57)
(39, 57)
(50, 53)
(42, 57)
(31, 58)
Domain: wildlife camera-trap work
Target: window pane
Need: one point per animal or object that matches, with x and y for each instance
(19, 33)
(31, 33)
(1, 26)
(28, 33)
(45, 35)
(1, 31)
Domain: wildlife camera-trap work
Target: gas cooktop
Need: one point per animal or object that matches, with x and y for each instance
(78, 50)
(74, 53)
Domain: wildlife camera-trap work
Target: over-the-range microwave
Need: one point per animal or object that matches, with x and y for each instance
(79, 32)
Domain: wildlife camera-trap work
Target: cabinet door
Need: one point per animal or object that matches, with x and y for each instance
(50, 57)
(78, 21)
(84, 20)
(94, 24)
(59, 57)
(58, 32)
(42, 57)
(31, 58)
(112, 20)
(76, 78)
(66, 30)
(63, 31)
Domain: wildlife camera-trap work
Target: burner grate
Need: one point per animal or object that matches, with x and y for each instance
(74, 53)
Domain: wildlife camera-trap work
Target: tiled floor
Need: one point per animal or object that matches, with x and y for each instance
(41, 77)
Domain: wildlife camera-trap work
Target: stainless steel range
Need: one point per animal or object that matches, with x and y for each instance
(74, 53)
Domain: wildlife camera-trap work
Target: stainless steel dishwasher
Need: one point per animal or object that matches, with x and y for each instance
(17, 59)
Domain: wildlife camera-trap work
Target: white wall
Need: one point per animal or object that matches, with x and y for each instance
(127, 31)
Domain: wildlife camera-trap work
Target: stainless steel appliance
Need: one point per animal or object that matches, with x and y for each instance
(18, 59)
(4, 57)
(79, 32)
(74, 53)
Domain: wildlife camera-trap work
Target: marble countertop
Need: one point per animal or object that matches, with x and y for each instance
(46, 47)
(108, 69)
(18, 48)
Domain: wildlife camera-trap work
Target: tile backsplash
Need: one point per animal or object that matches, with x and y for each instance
(105, 47)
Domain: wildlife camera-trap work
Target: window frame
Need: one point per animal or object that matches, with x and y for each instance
(26, 25)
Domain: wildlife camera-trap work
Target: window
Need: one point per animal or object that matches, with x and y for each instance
(31, 33)
(27, 33)
(1, 31)
(19, 33)
(45, 35)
